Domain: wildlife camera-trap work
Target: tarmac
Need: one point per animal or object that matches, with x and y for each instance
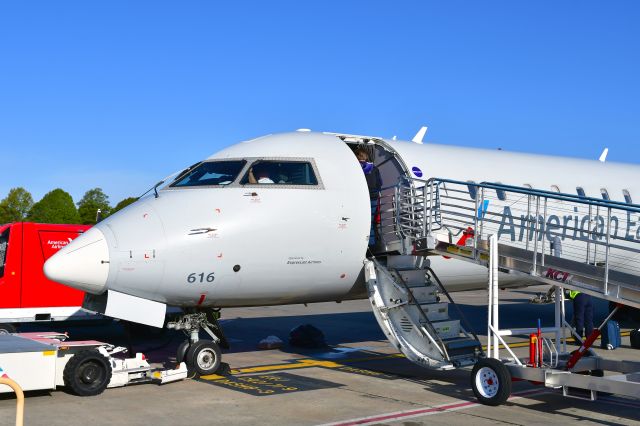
(357, 379)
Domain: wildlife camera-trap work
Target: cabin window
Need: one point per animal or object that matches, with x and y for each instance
(580, 192)
(211, 173)
(605, 194)
(473, 190)
(272, 172)
(4, 246)
(627, 196)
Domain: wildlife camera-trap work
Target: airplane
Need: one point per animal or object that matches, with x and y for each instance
(287, 218)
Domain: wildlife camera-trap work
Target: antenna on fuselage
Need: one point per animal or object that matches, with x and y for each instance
(420, 135)
(603, 156)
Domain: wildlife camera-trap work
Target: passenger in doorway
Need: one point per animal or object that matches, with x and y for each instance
(582, 313)
(260, 174)
(374, 183)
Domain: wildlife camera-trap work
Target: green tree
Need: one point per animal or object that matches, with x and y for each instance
(55, 207)
(124, 203)
(16, 206)
(92, 201)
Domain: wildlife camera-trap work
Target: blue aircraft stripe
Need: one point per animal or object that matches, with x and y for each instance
(483, 209)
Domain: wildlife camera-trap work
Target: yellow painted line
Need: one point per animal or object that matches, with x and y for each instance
(212, 377)
(303, 363)
(308, 363)
(571, 339)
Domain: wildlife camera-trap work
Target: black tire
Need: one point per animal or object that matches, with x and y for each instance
(87, 373)
(6, 328)
(491, 381)
(181, 353)
(203, 357)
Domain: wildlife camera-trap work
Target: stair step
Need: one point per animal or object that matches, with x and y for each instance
(462, 347)
(461, 343)
(434, 311)
(425, 295)
(447, 329)
(413, 277)
(404, 262)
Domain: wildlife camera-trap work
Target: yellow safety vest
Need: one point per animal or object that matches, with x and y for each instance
(573, 294)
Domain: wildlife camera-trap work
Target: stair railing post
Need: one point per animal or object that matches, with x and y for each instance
(481, 214)
(528, 218)
(558, 315)
(490, 306)
(534, 272)
(431, 207)
(475, 224)
(493, 260)
(560, 296)
(426, 211)
(607, 251)
(544, 230)
(588, 237)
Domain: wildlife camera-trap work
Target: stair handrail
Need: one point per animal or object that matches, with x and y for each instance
(413, 301)
(463, 318)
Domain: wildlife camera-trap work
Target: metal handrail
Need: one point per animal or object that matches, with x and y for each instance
(463, 318)
(601, 238)
(413, 301)
(539, 192)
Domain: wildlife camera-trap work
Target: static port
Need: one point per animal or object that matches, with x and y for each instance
(236, 268)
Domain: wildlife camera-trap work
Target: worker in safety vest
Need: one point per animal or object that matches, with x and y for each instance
(582, 312)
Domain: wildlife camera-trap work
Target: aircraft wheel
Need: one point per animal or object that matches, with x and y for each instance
(87, 373)
(181, 353)
(6, 328)
(204, 357)
(491, 381)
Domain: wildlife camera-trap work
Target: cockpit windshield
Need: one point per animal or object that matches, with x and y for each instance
(211, 173)
(4, 245)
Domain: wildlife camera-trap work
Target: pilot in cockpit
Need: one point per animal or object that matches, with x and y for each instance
(260, 173)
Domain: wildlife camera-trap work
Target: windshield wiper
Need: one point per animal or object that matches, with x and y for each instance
(179, 176)
(154, 189)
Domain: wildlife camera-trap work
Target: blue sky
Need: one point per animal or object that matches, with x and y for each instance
(118, 94)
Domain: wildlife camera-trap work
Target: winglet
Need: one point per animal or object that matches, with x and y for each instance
(603, 156)
(420, 135)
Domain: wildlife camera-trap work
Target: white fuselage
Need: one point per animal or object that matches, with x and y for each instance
(245, 244)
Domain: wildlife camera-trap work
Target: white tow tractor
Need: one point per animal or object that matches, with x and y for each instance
(40, 361)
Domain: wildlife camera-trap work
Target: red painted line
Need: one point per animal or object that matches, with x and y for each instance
(428, 411)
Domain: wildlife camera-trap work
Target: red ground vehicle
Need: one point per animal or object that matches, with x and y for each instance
(26, 295)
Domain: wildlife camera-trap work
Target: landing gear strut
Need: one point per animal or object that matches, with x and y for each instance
(202, 356)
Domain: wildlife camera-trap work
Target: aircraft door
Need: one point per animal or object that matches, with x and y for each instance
(382, 178)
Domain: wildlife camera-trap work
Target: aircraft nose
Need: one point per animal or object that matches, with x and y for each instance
(82, 264)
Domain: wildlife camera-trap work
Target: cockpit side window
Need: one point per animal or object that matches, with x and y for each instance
(276, 172)
(211, 173)
(4, 247)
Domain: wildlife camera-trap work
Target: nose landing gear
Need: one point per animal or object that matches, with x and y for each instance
(202, 356)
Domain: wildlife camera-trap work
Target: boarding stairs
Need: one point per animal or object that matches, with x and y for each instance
(574, 242)
(585, 244)
(406, 297)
